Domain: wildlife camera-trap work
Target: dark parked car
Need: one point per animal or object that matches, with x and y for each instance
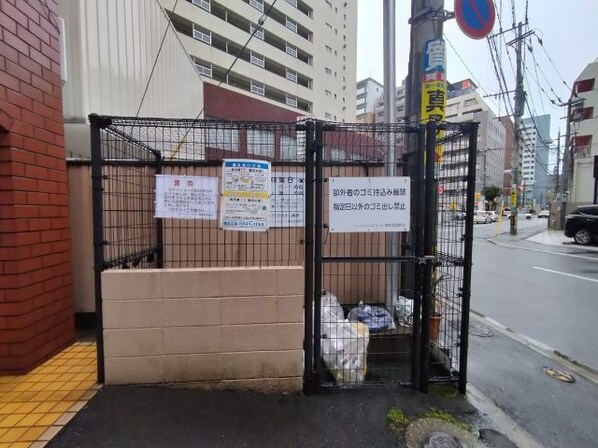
(582, 224)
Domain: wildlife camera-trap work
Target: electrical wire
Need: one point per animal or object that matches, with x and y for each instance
(540, 41)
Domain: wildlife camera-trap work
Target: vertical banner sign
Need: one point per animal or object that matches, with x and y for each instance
(434, 89)
(245, 202)
(287, 199)
(369, 204)
(186, 197)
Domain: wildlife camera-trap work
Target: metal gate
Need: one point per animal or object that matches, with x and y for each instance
(415, 295)
(410, 275)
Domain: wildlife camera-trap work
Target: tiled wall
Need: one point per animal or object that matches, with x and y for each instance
(235, 327)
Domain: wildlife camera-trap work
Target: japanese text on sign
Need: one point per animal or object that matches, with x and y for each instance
(186, 197)
(245, 195)
(371, 204)
(287, 199)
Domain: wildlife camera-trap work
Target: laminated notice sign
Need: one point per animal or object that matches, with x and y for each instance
(369, 204)
(186, 197)
(287, 199)
(245, 202)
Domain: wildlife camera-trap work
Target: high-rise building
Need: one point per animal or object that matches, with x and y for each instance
(400, 103)
(302, 54)
(466, 104)
(368, 92)
(507, 122)
(534, 148)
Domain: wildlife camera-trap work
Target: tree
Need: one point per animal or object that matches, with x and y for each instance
(491, 193)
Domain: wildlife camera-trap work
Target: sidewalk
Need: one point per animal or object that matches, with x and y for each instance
(558, 238)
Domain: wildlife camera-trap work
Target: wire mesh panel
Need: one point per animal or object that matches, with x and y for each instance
(366, 325)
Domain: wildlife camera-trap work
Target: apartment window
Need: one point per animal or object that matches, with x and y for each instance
(328, 71)
(291, 24)
(292, 2)
(203, 4)
(291, 50)
(204, 69)
(258, 88)
(291, 75)
(328, 4)
(204, 36)
(328, 93)
(584, 86)
(328, 49)
(291, 100)
(227, 139)
(337, 154)
(328, 26)
(288, 147)
(260, 143)
(471, 102)
(257, 4)
(256, 30)
(328, 115)
(256, 59)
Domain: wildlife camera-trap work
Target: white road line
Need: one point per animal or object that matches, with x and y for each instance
(497, 243)
(568, 275)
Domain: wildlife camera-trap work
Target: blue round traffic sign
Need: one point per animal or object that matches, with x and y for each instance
(475, 17)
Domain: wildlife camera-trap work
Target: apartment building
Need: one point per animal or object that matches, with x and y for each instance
(534, 149)
(369, 91)
(302, 55)
(400, 104)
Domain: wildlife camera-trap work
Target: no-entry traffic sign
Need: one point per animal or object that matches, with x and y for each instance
(475, 17)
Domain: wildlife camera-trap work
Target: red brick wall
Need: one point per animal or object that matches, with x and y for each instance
(36, 305)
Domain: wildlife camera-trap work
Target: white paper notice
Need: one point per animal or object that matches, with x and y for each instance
(186, 197)
(245, 195)
(369, 204)
(287, 199)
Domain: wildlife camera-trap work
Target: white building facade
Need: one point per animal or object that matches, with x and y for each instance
(302, 55)
(535, 141)
(583, 130)
(368, 92)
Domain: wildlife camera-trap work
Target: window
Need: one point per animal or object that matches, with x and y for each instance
(584, 86)
(204, 69)
(328, 26)
(291, 24)
(227, 139)
(328, 49)
(292, 2)
(471, 102)
(260, 143)
(288, 147)
(328, 71)
(203, 4)
(291, 100)
(291, 75)
(328, 4)
(328, 93)
(257, 31)
(204, 36)
(328, 115)
(258, 88)
(257, 4)
(256, 59)
(337, 154)
(291, 50)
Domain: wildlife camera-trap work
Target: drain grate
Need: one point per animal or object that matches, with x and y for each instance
(559, 375)
(480, 330)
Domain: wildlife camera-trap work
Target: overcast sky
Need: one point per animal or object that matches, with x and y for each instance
(567, 28)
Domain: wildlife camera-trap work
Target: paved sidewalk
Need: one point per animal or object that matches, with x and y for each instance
(558, 238)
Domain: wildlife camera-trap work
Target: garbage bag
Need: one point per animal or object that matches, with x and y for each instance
(332, 311)
(376, 318)
(403, 311)
(344, 351)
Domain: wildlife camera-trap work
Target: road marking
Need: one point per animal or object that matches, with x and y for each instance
(568, 275)
(491, 241)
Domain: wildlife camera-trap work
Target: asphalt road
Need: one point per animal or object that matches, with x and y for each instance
(547, 297)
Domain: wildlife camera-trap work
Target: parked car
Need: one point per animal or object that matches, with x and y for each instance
(582, 224)
(492, 215)
(544, 214)
(480, 217)
(506, 211)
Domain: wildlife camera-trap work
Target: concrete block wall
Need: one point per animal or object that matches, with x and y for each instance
(229, 327)
(36, 305)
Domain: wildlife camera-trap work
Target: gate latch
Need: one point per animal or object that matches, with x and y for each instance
(429, 258)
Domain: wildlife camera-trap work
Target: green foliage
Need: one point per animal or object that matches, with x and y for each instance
(397, 420)
(492, 192)
(446, 417)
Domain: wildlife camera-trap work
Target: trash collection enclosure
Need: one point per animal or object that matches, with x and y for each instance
(379, 287)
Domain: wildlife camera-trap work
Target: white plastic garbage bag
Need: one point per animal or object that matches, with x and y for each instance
(332, 311)
(403, 311)
(344, 351)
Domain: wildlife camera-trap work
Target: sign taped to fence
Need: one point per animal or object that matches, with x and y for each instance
(186, 197)
(245, 202)
(287, 199)
(369, 204)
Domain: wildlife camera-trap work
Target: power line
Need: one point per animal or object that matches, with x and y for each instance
(553, 64)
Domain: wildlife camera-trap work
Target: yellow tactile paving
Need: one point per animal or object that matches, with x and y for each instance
(35, 406)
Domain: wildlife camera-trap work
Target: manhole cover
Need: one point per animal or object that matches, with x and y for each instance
(480, 330)
(559, 375)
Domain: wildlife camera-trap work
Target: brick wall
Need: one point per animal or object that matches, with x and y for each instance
(36, 309)
(229, 327)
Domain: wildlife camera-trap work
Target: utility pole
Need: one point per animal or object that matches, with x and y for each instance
(558, 166)
(518, 113)
(390, 117)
